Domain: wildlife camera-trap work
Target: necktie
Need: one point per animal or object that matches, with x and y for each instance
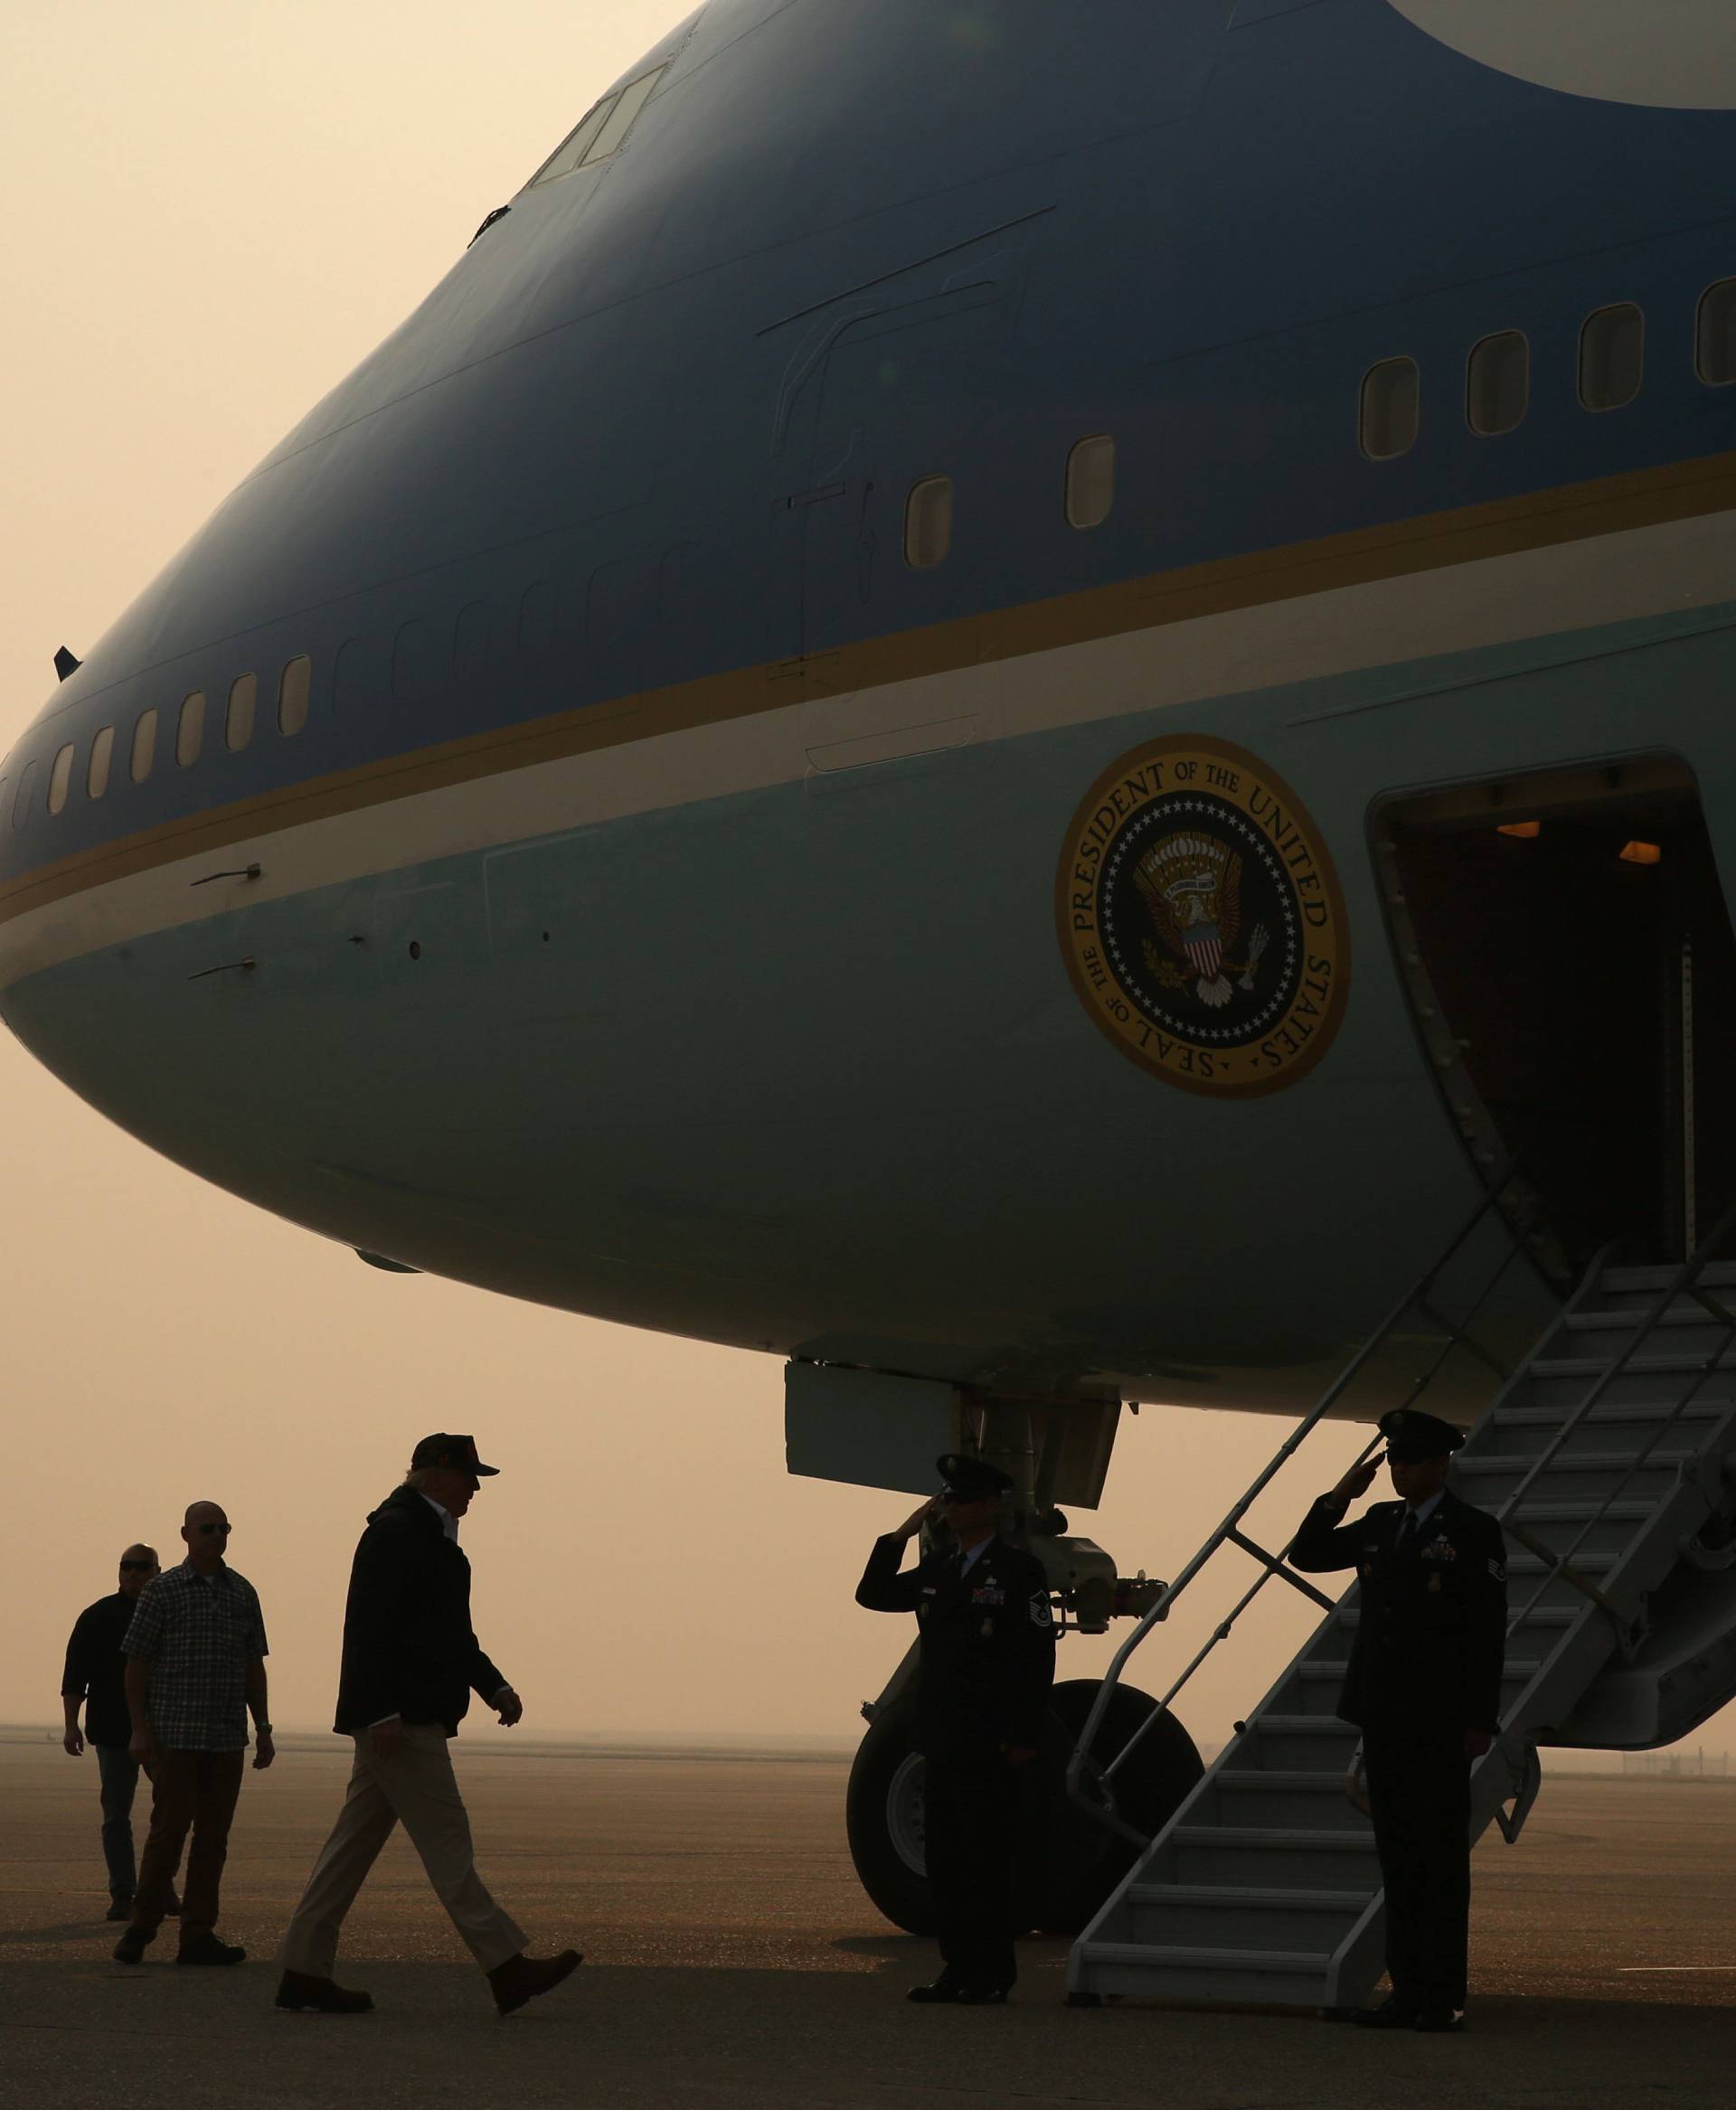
(1407, 1530)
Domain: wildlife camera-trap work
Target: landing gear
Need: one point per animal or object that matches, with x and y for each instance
(1069, 1861)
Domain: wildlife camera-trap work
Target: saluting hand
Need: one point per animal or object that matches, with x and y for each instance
(913, 1523)
(1358, 1480)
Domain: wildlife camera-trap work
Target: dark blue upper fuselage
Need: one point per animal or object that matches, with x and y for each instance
(852, 243)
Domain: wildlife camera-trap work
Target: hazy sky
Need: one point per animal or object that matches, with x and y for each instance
(213, 213)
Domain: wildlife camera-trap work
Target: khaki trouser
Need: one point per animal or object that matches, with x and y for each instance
(417, 1789)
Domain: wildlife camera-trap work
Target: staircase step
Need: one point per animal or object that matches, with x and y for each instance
(1287, 1963)
(1640, 1410)
(1211, 1896)
(1716, 1276)
(1686, 1313)
(1529, 1564)
(1645, 1364)
(1323, 1672)
(1628, 1511)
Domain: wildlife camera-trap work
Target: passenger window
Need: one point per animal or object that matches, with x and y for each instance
(1714, 335)
(238, 720)
(190, 729)
(927, 522)
(102, 753)
(1497, 383)
(293, 686)
(1612, 356)
(59, 778)
(22, 798)
(1091, 481)
(144, 746)
(1388, 426)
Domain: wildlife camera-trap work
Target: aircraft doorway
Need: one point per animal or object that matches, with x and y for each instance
(1571, 965)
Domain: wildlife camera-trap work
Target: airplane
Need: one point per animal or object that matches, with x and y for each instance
(999, 697)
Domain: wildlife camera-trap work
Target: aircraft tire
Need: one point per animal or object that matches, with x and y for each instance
(882, 1812)
(1068, 1863)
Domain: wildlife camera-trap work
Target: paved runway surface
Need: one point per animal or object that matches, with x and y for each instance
(732, 1963)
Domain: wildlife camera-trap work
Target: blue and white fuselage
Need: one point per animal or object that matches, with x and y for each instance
(639, 893)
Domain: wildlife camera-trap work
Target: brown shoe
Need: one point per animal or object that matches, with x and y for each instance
(522, 1978)
(305, 1994)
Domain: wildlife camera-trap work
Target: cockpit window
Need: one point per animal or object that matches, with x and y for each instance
(602, 132)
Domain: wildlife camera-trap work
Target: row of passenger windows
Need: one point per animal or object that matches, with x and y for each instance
(417, 662)
(1086, 501)
(1497, 375)
(294, 685)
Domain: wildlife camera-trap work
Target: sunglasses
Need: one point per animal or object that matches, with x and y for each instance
(208, 1529)
(145, 1565)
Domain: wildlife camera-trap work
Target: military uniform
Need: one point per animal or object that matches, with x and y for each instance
(1424, 1669)
(986, 1666)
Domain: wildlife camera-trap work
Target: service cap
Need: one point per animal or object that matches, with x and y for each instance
(967, 1479)
(459, 1452)
(1412, 1436)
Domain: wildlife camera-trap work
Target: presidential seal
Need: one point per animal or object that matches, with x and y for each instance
(1201, 918)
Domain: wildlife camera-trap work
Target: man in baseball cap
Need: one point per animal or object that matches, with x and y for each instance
(410, 1663)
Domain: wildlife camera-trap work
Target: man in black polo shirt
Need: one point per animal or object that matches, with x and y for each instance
(93, 1681)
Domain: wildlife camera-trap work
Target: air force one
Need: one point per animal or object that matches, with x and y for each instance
(1005, 697)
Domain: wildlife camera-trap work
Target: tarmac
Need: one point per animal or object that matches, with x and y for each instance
(732, 1963)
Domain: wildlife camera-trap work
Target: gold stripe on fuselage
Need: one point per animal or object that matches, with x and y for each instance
(1433, 542)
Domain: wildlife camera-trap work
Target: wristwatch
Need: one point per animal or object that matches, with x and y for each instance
(261, 1728)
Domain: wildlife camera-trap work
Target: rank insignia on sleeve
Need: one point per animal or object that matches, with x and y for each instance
(1041, 1615)
(1497, 1572)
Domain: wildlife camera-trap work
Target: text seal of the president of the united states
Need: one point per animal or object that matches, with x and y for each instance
(1201, 918)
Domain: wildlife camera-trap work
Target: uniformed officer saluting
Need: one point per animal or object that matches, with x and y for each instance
(1424, 1685)
(985, 1665)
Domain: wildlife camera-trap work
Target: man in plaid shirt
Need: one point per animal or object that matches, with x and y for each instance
(196, 1668)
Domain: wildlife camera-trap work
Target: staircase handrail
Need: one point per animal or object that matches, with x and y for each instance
(1685, 1276)
(1229, 1531)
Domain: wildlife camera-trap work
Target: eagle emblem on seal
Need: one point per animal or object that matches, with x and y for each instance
(1192, 884)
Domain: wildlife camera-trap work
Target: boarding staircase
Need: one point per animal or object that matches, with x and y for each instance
(1610, 1457)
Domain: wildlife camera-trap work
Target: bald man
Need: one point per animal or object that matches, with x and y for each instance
(195, 1669)
(92, 1681)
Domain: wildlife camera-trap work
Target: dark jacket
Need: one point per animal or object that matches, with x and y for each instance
(987, 1654)
(407, 1645)
(96, 1668)
(1429, 1643)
